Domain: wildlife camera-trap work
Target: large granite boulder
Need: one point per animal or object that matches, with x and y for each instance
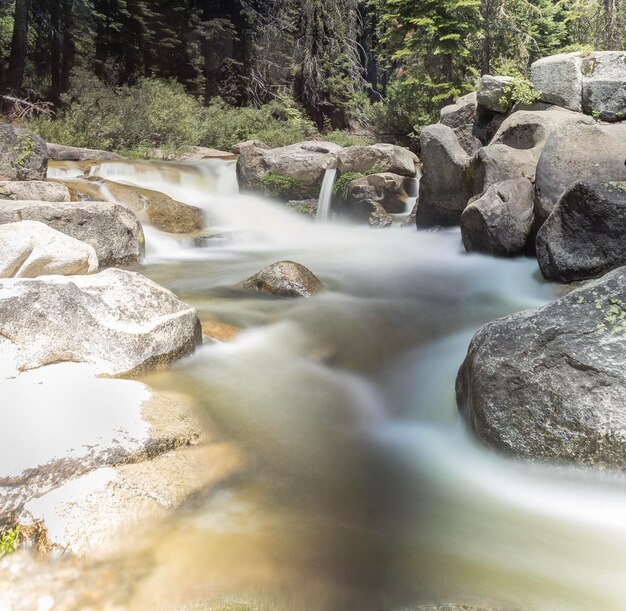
(559, 78)
(289, 172)
(585, 236)
(34, 190)
(573, 153)
(61, 152)
(389, 190)
(285, 279)
(23, 155)
(549, 384)
(111, 229)
(119, 322)
(516, 147)
(447, 183)
(29, 249)
(382, 157)
(500, 221)
(493, 92)
(462, 112)
(604, 85)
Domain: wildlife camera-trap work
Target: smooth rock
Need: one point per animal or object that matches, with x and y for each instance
(604, 85)
(110, 510)
(29, 249)
(65, 421)
(447, 183)
(585, 236)
(34, 190)
(516, 147)
(118, 321)
(574, 153)
(549, 384)
(111, 229)
(387, 189)
(23, 155)
(61, 152)
(559, 78)
(285, 279)
(462, 112)
(466, 135)
(500, 221)
(382, 157)
(493, 92)
(302, 165)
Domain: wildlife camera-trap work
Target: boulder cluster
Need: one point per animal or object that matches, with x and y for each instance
(550, 180)
(373, 182)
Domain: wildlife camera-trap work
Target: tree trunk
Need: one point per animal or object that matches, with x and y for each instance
(613, 25)
(17, 60)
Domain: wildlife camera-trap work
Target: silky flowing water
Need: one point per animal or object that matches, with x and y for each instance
(365, 489)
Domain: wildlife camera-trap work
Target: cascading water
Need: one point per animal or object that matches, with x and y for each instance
(366, 491)
(326, 195)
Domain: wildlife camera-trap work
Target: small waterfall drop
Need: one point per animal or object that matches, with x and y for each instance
(326, 195)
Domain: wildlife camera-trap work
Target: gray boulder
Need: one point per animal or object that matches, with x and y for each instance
(23, 155)
(387, 189)
(559, 78)
(501, 220)
(29, 249)
(119, 322)
(604, 85)
(447, 183)
(60, 152)
(549, 384)
(383, 157)
(34, 190)
(493, 92)
(289, 172)
(516, 147)
(112, 230)
(573, 153)
(585, 236)
(285, 279)
(461, 113)
(466, 135)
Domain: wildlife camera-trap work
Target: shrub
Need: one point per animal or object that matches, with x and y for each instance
(279, 184)
(9, 540)
(346, 138)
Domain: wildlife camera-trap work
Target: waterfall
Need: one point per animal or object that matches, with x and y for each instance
(326, 195)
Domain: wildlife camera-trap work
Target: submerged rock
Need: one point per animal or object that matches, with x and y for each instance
(118, 321)
(34, 190)
(111, 229)
(574, 153)
(23, 155)
(501, 220)
(585, 235)
(29, 249)
(285, 279)
(549, 384)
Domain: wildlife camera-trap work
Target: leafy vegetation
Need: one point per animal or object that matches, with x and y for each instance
(279, 184)
(9, 541)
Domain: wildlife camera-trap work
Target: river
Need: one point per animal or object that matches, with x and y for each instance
(365, 488)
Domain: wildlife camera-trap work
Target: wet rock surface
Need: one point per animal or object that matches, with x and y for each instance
(285, 279)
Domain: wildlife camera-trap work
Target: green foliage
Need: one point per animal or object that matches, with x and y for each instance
(279, 184)
(341, 188)
(9, 540)
(346, 138)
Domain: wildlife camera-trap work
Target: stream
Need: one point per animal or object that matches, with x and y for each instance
(365, 489)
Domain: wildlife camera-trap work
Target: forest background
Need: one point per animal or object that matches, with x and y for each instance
(135, 75)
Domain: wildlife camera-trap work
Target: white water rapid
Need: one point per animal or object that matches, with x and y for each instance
(366, 491)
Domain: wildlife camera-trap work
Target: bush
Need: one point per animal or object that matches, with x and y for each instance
(280, 185)
(346, 138)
